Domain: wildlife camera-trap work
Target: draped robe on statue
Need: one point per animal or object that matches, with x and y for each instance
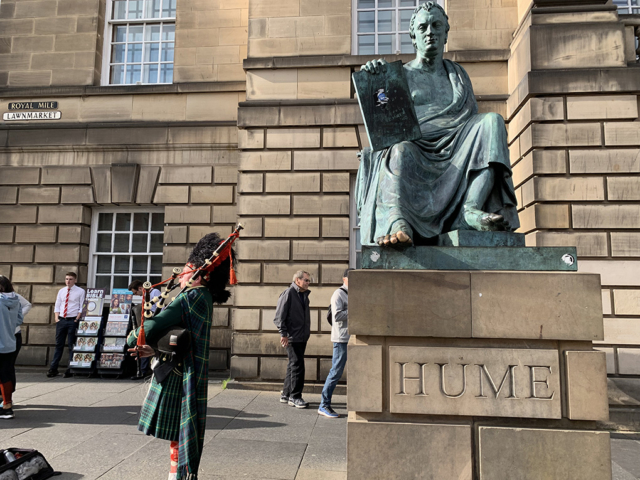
(424, 182)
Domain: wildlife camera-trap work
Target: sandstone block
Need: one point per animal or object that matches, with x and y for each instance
(218, 360)
(244, 367)
(249, 272)
(293, 138)
(507, 450)
(561, 135)
(184, 174)
(220, 317)
(8, 195)
(32, 274)
(265, 161)
(171, 194)
(609, 216)
(6, 234)
(326, 160)
(332, 273)
(445, 312)
(274, 8)
(325, 368)
(246, 319)
(563, 189)
(175, 253)
(320, 205)
(175, 234)
(536, 110)
(123, 182)
(77, 194)
(19, 175)
(440, 451)
(283, 272)
(588, 244)
(39, 314)
(272, 85)
(62, 253)
(224, 214)
(335, 227)
(45, 293)
(613, 272)
(587, 386)
(221, 338)
(544, 216)
(602, 107)
(226, 174)
(606, 301)
(611, 364)
(339, 137)
(190, 214)
(39, 43)
(60, 272)
(292, 227)
(320, 250)
(539, 162)
(275, 368)
(39, 195)
(77, 7)
(263, 249)
(264, 205)
(495, 382)
(44, 26)
(6, 271)
(604, 161)
(102, 185)
(250, 183)
(547, 304)
(625, 244)
(324, 45)
(621, 133)
(32, 356)
(269, 344)
(212, 194)
(66, 175)
(17, 253)
(626, 302)
(623, 188)
(252, 226)
(292, 182)
(621, 331)
(74, 234)
(336, 25)
(199, 231)
(19, 214)
(629, 361)
(64, 214)
(267, 320)
(267, 296)
(328, 83)
(335, 182)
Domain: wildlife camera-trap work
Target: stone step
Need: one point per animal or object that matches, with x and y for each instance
(277, 386)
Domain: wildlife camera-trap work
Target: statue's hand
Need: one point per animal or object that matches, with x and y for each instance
(373, 66)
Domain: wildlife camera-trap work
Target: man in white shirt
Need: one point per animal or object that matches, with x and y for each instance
(68, 311)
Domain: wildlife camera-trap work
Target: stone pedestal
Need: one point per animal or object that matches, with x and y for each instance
(476, 375)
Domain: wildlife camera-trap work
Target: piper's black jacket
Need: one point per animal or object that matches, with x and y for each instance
(293, 318)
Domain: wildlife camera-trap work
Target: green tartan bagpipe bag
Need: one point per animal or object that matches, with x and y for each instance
(172, 345)
(24, 464)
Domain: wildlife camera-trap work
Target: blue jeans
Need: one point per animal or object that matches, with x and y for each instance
(337, 367)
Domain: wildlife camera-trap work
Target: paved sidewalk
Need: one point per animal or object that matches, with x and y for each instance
(87, 429)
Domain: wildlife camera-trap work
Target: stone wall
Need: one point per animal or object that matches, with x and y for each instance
(574, 141)
(50, 42)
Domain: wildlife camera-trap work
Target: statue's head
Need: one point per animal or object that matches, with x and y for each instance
(429, 28)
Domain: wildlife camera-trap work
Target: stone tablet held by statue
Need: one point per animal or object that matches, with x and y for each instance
(387, 109)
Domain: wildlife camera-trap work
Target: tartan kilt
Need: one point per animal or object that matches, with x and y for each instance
(160, 415)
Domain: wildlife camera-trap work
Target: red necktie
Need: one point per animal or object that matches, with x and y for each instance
(66, 303)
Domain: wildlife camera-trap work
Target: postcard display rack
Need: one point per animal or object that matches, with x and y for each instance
(113, 349)
(88, 337)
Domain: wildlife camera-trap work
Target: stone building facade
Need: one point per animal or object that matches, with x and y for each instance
(211, 112)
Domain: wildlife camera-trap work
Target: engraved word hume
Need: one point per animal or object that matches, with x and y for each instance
(475, 381)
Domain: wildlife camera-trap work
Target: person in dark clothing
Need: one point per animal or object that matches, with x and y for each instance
(293, 320)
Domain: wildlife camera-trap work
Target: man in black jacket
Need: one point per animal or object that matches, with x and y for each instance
(293, 320)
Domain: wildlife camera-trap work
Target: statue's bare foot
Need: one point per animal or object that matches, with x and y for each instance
(401, 237)
(483, 221)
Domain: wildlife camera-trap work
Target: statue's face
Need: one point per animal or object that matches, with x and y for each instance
(430, 31)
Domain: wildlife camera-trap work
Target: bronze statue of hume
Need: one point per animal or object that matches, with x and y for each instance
(458, 175)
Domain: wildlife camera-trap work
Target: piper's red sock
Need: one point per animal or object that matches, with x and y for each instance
(7, 391)
(174, 457)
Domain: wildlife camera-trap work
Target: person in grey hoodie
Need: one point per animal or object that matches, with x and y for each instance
(340, 338)
(10, 318)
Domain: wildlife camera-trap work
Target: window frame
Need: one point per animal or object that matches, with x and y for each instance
(632, 9)
(93, 255)
(397, 32)
(105, 77)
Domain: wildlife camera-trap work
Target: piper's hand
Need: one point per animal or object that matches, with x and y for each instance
(284, 341)
(373, 66)
(143, 351)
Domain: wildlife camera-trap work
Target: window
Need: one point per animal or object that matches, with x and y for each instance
(126, 244)
(382, 26)
(140, 38)
(627, 6)
(355, 248)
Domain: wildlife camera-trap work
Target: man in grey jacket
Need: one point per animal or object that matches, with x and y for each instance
(340, 338)
(293, 320)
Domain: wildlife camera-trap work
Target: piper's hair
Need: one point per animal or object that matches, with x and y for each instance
(5, 285)
(219, 277)
(300, 274)
(427, 7)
